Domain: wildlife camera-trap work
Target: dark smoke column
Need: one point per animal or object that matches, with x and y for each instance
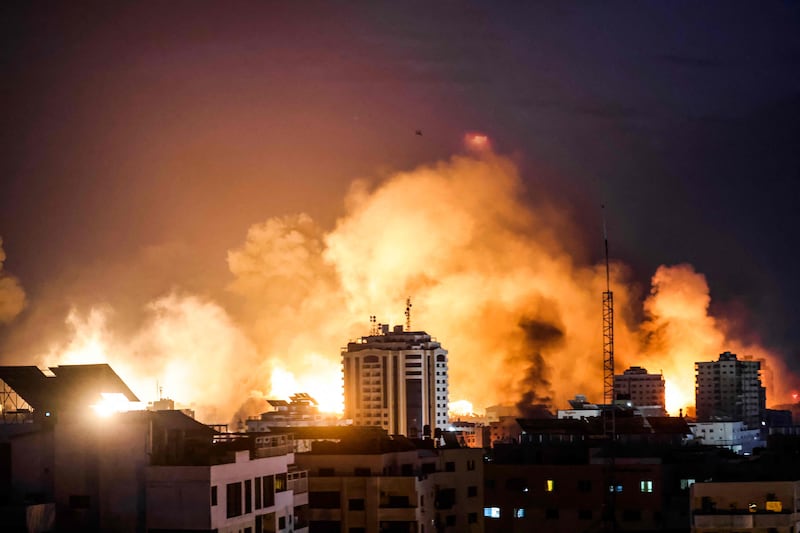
(396, 380)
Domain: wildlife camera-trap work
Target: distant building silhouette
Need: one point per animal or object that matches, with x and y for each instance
(729, 390)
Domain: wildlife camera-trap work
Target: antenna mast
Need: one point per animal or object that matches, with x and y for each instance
(608, 328)
(408, 314)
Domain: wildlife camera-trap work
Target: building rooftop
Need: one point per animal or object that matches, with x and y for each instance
(69, 386)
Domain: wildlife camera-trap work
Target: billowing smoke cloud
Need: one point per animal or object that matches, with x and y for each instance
(679, 331)
(12, 296)
(494, 280)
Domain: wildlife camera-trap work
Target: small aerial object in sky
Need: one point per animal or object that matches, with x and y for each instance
(477, 141)
(418, 132)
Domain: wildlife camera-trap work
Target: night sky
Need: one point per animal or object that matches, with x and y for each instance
(142, 133)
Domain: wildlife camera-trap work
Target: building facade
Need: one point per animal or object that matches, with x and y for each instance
(745, 506)
(396, 380)
(641, 388)
(391, 486)
(734, 436)
(729, 390)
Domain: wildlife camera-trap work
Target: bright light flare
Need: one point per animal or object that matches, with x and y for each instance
(323, 382)
(678, 395)
(114, 402)
(477, 141)
(461, 408)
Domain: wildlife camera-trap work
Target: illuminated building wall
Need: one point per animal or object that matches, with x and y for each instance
(396, 380)
(640, 387)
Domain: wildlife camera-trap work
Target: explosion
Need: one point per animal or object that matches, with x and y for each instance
(493, 279)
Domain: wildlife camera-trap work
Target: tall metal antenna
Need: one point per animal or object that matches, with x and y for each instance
(408, 314)
(610, 415)
(608, 328)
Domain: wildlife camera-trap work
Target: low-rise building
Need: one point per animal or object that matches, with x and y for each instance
(393, 484)
(734, 436)
(745, 506)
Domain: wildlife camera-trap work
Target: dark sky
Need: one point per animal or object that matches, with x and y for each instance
(133, 125)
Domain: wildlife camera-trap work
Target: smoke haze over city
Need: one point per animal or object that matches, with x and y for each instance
(214, 201)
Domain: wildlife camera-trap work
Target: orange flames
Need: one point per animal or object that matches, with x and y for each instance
(479, 264)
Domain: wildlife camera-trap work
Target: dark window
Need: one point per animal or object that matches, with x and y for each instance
(489, 483)
(214, 495)
(362, 471)
(632, 515)
(584, 485)
(327, 472)
(584, 514)
(281, 522)
(449, 466)
(248, 496)
(517, 484)
(441, 358)
(472, 518)
(551, 514)
(398, 502)
(257, 484)
(428, 468)
(450, 520)
(445, 499)
(325, 526)
(355, 504)
(79, 501)
(324, 499)
(268, 491)
(280, 483)
(406, 469)
(471, 464)
(233, 498)
(472, 491)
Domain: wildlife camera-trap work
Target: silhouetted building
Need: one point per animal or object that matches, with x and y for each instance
(398, 381)
(393, 484)
(729, 390)
(301, 411)
(76, 468)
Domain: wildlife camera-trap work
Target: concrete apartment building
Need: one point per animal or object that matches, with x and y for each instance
(729, 390)
(769, 506)
(640, 388)
(734, 436)
(137, 471)
(396, 380)
(393, 485)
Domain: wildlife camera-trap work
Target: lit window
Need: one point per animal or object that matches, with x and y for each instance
(491, 512)
(519, 513)
(550, 485)
(646, 485)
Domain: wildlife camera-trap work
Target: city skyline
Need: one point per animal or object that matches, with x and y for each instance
(193, 192)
